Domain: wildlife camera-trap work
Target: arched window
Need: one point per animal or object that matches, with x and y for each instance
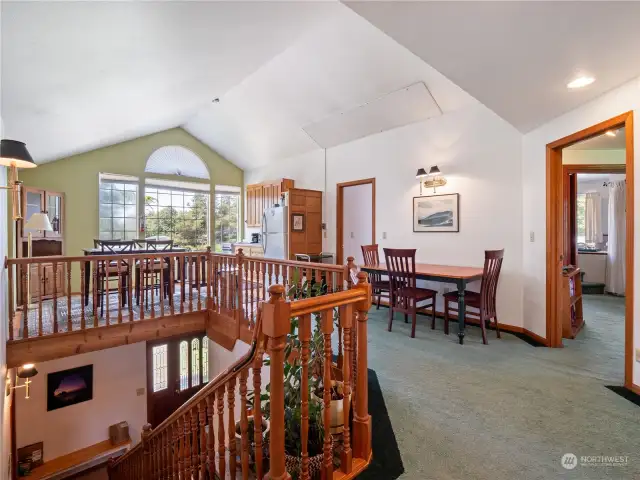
(177, 160)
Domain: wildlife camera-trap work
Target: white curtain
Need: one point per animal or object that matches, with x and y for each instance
(593, 218)
(617, 236)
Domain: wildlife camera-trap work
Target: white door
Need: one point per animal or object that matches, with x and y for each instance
(357, 220)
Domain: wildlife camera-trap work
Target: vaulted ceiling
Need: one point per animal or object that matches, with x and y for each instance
(80, 75)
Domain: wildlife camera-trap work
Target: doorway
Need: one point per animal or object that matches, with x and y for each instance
(177, 368)
(356, 218)
(562, 234)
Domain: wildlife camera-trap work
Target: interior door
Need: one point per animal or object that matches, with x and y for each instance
(177, 368)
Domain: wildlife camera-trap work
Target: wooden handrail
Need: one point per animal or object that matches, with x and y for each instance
(105, 257)
(323, 302)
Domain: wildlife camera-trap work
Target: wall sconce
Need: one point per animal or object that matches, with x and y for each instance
(420, 174)
(435, 178)
(26, 371)
(14, 154)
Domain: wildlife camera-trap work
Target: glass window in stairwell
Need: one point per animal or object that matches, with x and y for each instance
(205, 360)
(184, 365)
(195, 362)
(159, 355)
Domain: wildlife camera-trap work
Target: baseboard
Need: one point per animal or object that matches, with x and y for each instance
(635, 389)
(520, 332)
(630, 394)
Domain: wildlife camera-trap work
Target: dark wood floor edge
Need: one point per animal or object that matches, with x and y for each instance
(522, 333)
(625, 392)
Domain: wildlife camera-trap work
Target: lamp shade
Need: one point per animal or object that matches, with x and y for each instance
(39, 221)
(434, 170)
(27, 371)
(421, 173)
(13, 152)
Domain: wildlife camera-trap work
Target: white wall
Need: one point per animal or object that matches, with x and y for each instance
(623, 99)
(479, 154)
(117, 373)
(357, 219)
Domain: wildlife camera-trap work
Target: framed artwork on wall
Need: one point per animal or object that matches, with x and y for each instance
(436, 213)
(69, 387)
(297, 222)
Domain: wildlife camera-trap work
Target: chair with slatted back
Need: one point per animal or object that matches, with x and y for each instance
(109, 270)
(483, 301)
(404, 295)
(149, 275)
(140, 243)
(379, 284)
(98, 241)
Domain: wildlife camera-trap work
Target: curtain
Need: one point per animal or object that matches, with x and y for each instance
(617, 238)
(593, 218)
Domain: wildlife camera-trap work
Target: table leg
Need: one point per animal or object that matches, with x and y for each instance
(87, 281)
(462, 284)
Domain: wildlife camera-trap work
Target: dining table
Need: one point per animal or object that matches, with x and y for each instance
(460, 276)
(133, 251)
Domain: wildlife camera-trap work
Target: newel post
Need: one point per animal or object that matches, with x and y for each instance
(361, 418)
(275, 326)
(350, 266)
(146, 452)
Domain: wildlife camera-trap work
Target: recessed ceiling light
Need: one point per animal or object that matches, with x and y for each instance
(610, 133)
(581, 82)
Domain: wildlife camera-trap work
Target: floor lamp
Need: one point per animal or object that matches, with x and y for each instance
(37, 221)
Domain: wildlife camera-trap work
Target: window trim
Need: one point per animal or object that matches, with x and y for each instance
(105, 177)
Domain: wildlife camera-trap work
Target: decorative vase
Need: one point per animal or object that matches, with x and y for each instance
(266, 427)
(336, 408)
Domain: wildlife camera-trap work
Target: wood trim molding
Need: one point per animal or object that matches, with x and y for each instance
(340, 214)
(555, 233)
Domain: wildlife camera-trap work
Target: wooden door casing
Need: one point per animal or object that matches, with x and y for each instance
(164, 398)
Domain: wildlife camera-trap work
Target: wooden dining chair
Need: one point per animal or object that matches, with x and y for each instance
(148, 273)
(379, 284)
(109, 270)
(404, 295)
(483, 301)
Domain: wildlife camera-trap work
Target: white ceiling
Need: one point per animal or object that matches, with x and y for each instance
(340, 64)
(517, 57)
(602, 142)
(81, 75)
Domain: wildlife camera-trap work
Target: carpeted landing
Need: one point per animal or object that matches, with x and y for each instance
(506, 410)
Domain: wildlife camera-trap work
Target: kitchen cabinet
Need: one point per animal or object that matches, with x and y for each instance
(50, 282)
(262, 195)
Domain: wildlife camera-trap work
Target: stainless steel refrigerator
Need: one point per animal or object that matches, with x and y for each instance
(275, 232)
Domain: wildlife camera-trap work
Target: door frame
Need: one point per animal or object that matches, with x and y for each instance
(569, 193)
(340, 214)
(555, 231)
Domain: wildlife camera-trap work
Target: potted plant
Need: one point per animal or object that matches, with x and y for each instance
(336, 406)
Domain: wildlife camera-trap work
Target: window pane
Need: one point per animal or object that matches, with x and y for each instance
(115, 218)
(205, 360)
(159, 367)
(227, 215)
(184, 365)
(195, 362)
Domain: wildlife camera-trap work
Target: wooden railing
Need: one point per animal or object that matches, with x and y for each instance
(77, 293)
(202, 439)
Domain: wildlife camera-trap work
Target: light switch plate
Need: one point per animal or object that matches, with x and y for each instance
(384, 235)
(532, 236)
(637, 354)
(139, 392)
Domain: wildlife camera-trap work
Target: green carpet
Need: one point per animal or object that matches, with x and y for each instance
(507, 410)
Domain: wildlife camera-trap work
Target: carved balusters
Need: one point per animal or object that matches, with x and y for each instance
(175, 461)
(24, 279)
(221, 439)
(327, 330)
(151, 265)
(187, 445)
(231, 399)
(305, 338)
(172, 266)
(257, 411)
(120, 298)
(346, 324)
(82, 295)
(190, 270)
(142, 285)
(163, 288)
(244, 425)
(105, 279)
(195, 434)
(40, 282)
(202, 416)
(55, 296)
(183, 272)
(361, 418)
(69, 323)
(131, 268)
(182, 464)
(94, 292)
(211, 452)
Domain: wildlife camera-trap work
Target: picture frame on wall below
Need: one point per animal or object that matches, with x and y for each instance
(297, 222)
(69, 387)
(436, 213)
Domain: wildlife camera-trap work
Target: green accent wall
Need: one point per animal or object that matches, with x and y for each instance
(77, 177)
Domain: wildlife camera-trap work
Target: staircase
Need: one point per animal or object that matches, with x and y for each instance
(306, 324)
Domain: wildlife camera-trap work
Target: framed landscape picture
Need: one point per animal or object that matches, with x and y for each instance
(297, 222)
(68, 387)
(436, 213)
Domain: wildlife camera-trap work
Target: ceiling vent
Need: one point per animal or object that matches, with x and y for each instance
(396, 109)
